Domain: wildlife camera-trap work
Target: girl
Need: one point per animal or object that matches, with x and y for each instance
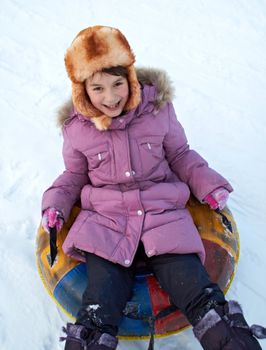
(128, 161)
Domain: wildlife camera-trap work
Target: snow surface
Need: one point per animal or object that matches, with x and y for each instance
(215, 53)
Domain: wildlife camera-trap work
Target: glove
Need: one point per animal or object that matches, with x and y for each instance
(52, 218)
(217, 199)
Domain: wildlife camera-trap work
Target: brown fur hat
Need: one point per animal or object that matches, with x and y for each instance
(94, 49)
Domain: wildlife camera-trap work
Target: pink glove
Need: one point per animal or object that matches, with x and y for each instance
(217, 199)
(52, 218)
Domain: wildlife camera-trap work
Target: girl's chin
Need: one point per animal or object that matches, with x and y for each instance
(112, 113)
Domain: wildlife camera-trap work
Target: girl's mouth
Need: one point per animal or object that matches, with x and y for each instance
(112, 107)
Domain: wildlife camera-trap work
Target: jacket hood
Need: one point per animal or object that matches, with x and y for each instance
(146, 76)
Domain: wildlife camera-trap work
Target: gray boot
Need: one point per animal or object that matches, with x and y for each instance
(225, 328)
(79, 337)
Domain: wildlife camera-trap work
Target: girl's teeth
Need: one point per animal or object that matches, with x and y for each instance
(113, 106)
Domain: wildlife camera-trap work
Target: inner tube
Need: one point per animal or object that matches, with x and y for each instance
(66, 280)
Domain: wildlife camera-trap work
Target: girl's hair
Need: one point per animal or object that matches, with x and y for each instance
(117, 71)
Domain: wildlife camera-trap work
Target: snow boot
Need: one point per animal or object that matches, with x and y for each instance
(225, 328)
(81, 338)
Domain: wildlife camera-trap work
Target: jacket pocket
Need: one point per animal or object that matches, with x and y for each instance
(151, 153)
(99, 158)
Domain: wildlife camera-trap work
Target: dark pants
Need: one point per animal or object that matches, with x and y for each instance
(183, 277)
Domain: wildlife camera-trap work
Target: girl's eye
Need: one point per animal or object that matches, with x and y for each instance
(97, 89)
(119, 83)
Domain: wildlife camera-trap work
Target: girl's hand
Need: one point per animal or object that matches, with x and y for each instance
(52, 218)
(217, 199)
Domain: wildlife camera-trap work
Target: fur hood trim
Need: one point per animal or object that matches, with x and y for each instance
(161, 80)
(146, 76)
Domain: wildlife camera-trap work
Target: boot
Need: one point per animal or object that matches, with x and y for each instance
(81, 338)
(225, 328)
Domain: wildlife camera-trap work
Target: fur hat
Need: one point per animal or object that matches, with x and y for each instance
(94, 49)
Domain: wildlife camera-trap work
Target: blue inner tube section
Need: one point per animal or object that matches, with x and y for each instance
(142, 308)
(68, 292)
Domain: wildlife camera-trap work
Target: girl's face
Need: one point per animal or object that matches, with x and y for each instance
(108, 93)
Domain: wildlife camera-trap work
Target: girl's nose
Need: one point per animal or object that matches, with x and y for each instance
(110, 96)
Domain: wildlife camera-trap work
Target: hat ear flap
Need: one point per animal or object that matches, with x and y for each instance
(82, 101)
(134, 97)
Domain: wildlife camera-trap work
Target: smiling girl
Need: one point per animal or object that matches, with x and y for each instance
(128, 162)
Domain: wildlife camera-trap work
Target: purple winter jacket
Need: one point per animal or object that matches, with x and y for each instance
(134, 181)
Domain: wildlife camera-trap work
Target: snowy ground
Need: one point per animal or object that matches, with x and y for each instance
(215, 53)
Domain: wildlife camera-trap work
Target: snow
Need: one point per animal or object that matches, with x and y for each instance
(215, 53)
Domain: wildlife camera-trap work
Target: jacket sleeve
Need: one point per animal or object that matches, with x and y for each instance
(66, 189)
(187, 164)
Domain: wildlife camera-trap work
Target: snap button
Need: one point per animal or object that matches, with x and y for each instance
(127, 262)
(151, 252)
(139, 212)
(133, 172)
(127, 173)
